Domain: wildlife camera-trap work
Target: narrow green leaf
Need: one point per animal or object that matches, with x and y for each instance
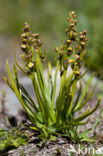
(85, 132)
(26, 107)
(19, 66)
(99, 119)
(69, 80)
(72, 93)
(28, 97)
(44, 93)
(50, 81)
(71, 124)
(83, 116)
(87, 113)
(66, 107)
(78, 97)
(85, 101)
(46, 89)
(60, 99)
(38, 96)
(7, 81)
(54, 87)
(84, 92)
(16, 76)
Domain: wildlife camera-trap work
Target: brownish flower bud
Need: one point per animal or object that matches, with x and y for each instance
(74, 34)
(72, 24)
(66, 63)
(84, 32)
(40, 42)
(35, 45)
(66, 30)
(86, 39)
(23, 35)
(24, 57)
(74, 29)
(33, 40)
(24, 41)
(72, 13)
(69, 51)
(82, 44)
(26, 27)
(75, 21)
(31, 65)
(68, 42)
(57, 50)
(68, 19)
(81, 33)
(35, 35)
(77, 74)
(81, 37)
(77, 56)
(23, 47)
(42, 58)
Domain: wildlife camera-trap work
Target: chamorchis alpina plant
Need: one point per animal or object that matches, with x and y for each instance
(54, 115)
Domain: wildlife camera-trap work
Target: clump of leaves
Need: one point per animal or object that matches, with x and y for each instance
(11, 139)
(54, 116)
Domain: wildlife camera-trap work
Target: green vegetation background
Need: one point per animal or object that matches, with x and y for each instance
(48, 18)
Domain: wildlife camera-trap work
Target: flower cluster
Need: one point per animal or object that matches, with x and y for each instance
(71, 30)
(80, 51)
(30, 45)
(74, 48)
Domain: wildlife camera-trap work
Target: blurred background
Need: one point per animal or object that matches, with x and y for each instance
(48, 17)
